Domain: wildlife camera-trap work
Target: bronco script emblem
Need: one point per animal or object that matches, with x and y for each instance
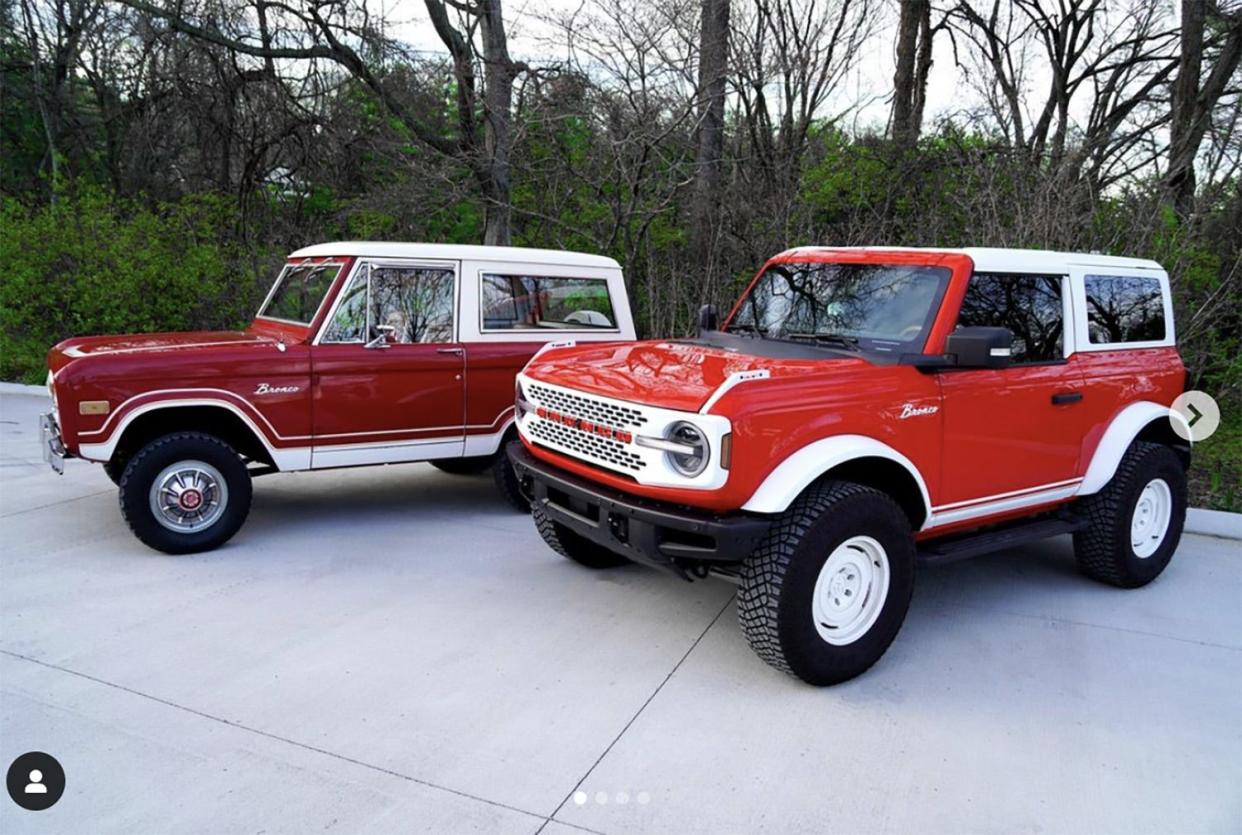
(264, 388)
(909, 410)
(585, 425)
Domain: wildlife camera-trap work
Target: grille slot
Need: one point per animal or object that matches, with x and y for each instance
(591, 447)
(587, 408)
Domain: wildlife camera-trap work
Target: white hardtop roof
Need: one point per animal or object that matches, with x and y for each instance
(1010, 260)
(454, 252)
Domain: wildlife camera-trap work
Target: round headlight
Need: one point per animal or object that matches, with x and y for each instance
(688, 463)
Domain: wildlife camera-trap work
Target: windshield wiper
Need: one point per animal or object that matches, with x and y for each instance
(850, 343)
(743, 327)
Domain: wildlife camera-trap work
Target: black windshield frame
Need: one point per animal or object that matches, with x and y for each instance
(816, 287)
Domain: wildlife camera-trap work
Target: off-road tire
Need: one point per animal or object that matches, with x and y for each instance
(572, 546)
(464, 466)
(1103, 548)
(507, 483)
(778, 581)
(149, 461)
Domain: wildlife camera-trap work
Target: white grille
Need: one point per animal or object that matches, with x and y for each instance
(589, 446)
(588, 408)
(647, 465)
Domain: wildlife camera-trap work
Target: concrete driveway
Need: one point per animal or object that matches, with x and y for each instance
(390, 649)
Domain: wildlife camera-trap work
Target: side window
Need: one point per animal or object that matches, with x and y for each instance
(1029, 305)
(416, 302)
(527, 302)
(1124, 309)
(349, 324)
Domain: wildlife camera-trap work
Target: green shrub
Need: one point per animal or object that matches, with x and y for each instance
(91, 264)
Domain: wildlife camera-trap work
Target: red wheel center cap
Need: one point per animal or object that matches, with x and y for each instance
(190, 499)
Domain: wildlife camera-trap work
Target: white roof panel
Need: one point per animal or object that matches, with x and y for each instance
(1011, 260)
(455, 252)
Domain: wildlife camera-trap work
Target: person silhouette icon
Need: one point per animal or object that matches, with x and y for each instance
(35, 781)
(35, 786)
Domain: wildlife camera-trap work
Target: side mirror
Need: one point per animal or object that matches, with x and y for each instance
(980, 347)
(382, 335)
(709, 320)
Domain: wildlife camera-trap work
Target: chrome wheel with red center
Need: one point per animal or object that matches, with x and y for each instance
(188, 496)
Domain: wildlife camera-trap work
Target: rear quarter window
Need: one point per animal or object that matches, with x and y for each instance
(1123, 309)
(533, 302)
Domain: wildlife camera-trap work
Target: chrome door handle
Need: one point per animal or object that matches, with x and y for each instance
(457, 351)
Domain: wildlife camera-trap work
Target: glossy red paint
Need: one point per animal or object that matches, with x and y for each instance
(296, 394)
(490, 370)
(975, 436)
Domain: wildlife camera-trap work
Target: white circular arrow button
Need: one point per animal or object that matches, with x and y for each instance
(1201, 414)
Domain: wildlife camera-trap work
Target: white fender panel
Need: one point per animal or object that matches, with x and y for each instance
(1117, 439)
(796, 472)
(297, 458)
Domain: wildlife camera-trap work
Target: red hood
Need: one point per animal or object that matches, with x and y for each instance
(84, 346)
(672, 375)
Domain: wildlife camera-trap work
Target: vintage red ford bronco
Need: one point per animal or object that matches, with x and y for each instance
(861, 410)
(362, 353)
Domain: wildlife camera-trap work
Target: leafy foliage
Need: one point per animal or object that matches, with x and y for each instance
(90, 263)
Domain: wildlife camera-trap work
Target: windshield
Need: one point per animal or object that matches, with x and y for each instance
(298, 291)
(878, 307)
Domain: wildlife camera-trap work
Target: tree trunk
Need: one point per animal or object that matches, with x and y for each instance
(497, 125)
(913, 65)
(713, 74)
(1194, 101)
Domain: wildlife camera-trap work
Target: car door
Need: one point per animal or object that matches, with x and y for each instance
(1012, 436)
(388, 369)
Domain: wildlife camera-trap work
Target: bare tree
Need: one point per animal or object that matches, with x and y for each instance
(713, 77)
(341, 31)
(915, 35)
(1195, 98)
(797, 52)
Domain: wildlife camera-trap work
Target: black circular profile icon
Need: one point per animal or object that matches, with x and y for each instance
(35, 781)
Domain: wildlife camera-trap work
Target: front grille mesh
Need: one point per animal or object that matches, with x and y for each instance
(588, 408)
(590, 447)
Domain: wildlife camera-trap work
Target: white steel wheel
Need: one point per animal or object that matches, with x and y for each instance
(850, 590)
(1150, 522)
(188, 496)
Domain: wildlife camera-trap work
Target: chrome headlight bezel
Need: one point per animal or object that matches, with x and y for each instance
(686, 434)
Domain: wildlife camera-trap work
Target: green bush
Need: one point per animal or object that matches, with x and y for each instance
(91, 264)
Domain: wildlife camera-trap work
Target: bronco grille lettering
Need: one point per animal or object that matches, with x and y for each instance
(587, 426)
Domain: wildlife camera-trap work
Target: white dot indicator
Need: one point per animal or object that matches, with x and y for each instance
(643, 798)
(601, 798)
(623, 798)
(580, 797)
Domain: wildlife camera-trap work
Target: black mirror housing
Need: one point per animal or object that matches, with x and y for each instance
(980, 347)
(709, 319)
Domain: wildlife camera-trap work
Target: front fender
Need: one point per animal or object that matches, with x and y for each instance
(801, 469)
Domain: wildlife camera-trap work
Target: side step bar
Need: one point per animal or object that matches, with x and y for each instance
(960, 547)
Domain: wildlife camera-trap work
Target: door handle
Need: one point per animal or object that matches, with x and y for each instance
(456, 351)
(1066, 397)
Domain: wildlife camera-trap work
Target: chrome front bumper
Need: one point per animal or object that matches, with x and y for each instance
(49, 439)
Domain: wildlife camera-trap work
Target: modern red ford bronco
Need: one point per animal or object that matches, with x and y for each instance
(861, 410)
(362, 353)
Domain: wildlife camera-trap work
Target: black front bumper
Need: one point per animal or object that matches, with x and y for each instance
(667, 536)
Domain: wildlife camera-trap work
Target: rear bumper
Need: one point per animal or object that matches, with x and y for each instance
(49, 440)
(667, 536)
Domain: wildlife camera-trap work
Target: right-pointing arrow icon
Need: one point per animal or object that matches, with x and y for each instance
(1194, 416)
